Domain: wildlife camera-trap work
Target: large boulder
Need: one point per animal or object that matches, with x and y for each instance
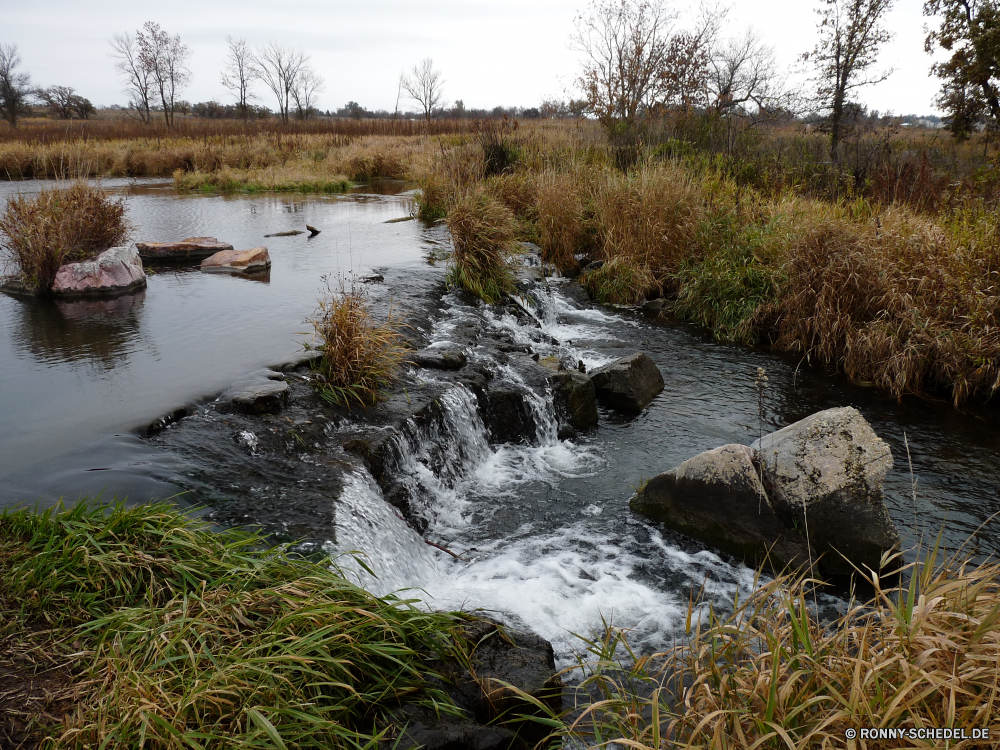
(192, 248)
(629, 383)
(575, 398)
(261, 397)
(116, 271)
(718, 497)
(824, 476)
(254, 260)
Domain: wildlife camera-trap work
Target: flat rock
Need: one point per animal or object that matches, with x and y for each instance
(192, 248)
(718, 497)
(116, 271)
(263, 397)
(824, 476)
(254, 260)
(438, 359)
(628, 384)
(423, 728)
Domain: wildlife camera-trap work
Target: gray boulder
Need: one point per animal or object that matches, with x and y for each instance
(718, 497)
(575, 398)
(824, 477)
(261, 397)
(191, 248)
(629, 383)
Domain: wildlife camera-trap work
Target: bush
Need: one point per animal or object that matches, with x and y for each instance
(561, 218)
(620, 281)
(60, 226)
(360, 356)
(501, 150)
(483, 230)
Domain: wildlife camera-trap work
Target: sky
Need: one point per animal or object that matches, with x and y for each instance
(490, 52)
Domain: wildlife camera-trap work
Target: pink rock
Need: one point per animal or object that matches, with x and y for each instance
(117, 270)
(254, 260)
(193, 248)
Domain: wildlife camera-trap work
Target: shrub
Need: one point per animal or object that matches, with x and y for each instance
(360, 356)
(620, 281)
(561, 218)
(483, 231)
(56, 227)
(499, 145)
(377, 165)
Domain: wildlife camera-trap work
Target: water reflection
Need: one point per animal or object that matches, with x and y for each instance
(99, 332)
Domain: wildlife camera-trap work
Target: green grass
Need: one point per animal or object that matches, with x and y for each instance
(184, 637)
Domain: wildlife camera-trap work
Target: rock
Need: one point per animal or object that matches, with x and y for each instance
(824, 475)
(575, 398)
(508, 416)
(517, 658)
(306, 360)
(264, 397)
(290, 233)
(313, 231)
(116, 271)
(422, 728)
(629, 383)
(254, 260)
(654, 305)
(438, 359)
(718, 497)
(192, 248)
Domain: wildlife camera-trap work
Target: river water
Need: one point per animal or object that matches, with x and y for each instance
(542, 528)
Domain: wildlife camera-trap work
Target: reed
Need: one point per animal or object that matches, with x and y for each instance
(771, 673)
(483, 231)
(54, 227)
(360, 356)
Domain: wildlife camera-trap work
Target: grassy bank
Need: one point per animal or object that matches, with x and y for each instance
(140, 627)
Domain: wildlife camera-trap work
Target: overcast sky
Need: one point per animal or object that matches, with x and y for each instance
(508, 52)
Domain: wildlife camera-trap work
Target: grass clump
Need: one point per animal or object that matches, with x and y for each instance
(483, 231)
(180, 637)
(55, 227)
(305, 180)
(620, 281)
(916, 655)
(360, 356)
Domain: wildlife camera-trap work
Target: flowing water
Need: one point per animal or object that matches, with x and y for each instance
(538, 531)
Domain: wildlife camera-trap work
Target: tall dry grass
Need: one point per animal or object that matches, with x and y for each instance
(483, 231)
(771, 673)
(44, 231)
(360, 355)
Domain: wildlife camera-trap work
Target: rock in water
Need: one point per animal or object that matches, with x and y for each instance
(824, 475)
(192, 248)
(629, 383)
(264, 397)
(255, 260)
(438, 359)
(575, 398)
(117, 270)
(313, 231)
(718, 497)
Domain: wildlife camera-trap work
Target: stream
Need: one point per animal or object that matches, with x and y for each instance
(539, 528)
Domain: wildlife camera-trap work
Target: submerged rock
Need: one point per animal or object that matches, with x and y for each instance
(718, 497)
(264, 397)
(824, 475)
(192, 248)
(116, 271)
(254, 260)
(629, 383)
(424, 728)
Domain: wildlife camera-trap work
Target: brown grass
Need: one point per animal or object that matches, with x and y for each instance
(360, 356)
(561, 206)
(772, 674)
(483, 230)
(60, 226)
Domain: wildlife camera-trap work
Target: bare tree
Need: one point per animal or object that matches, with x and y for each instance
(164, 56)
(425, 86)
(63, 102)
(15, 88)
(239, 73)
(626, 48)
(278, 68)
(851, 33)
(307, 84)
(138, 78)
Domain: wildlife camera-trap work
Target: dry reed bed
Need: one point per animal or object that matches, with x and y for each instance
(919, 655)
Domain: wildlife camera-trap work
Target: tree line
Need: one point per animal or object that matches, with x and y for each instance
(638, 63)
